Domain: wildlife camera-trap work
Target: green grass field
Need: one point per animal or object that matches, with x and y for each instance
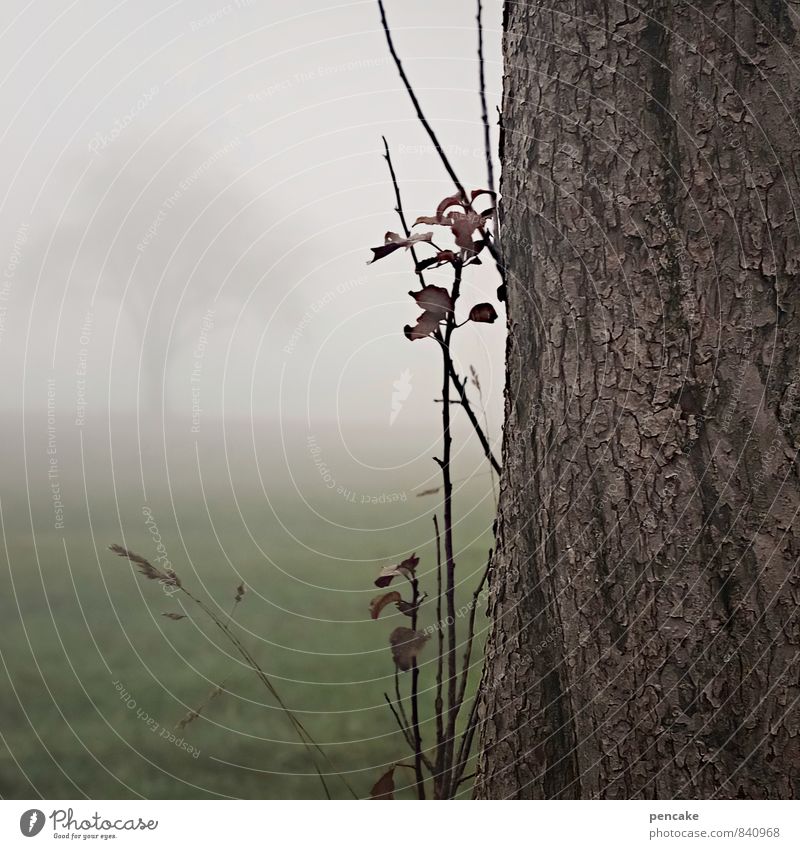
(81, 634)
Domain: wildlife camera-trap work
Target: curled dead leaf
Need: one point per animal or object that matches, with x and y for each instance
(440, 217)
(379, 602)
(462, 222)
(406, 644)
(175, 616)
(476, 193)
(435, 261)
(426, 324)
(393, 241)
(483, 312)
(464, 225)
(384, 786)
(405, 569)
(435, 300)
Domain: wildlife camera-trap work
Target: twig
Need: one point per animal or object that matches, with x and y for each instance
(487, 136)
(448, 769)
(420, 779)
(490, 244)
(402, 720)
(466, 741)
(450, 595)
(439, 663)
(399, 721)
(400, 706)
(399, 209)
(477, 384)
(469, 729)
(463, 399)
(471, 631)
(420, 114)
(465, 403)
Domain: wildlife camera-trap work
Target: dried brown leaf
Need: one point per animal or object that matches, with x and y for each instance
(440, 217)
(483, 312)
(464, 225)
(175, 616)
(384, 786)
(406, 644)
(393, 241)
(405, 569)
(435, 300)
(426, 324)
(463, 222)
(379, 602)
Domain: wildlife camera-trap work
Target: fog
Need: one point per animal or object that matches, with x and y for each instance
(190, 196)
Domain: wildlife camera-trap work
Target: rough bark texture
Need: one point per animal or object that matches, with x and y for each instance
(645, 595)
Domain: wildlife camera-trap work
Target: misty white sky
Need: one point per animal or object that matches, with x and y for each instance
(175, 171)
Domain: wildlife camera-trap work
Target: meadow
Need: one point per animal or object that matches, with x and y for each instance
(97, 678)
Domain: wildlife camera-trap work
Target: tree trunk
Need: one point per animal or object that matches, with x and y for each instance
(644, 597)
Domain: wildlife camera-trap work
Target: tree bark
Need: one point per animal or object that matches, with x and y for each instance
(644, 597)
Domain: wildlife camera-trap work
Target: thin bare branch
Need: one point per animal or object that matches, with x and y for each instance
(399, 209)
(420, 779)
(471, 631)
(476, 382)
(450, 566)
(466, 741)
(399, 721)
(461, 388)
(487, 135)
(439, 657)
(420, 114)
